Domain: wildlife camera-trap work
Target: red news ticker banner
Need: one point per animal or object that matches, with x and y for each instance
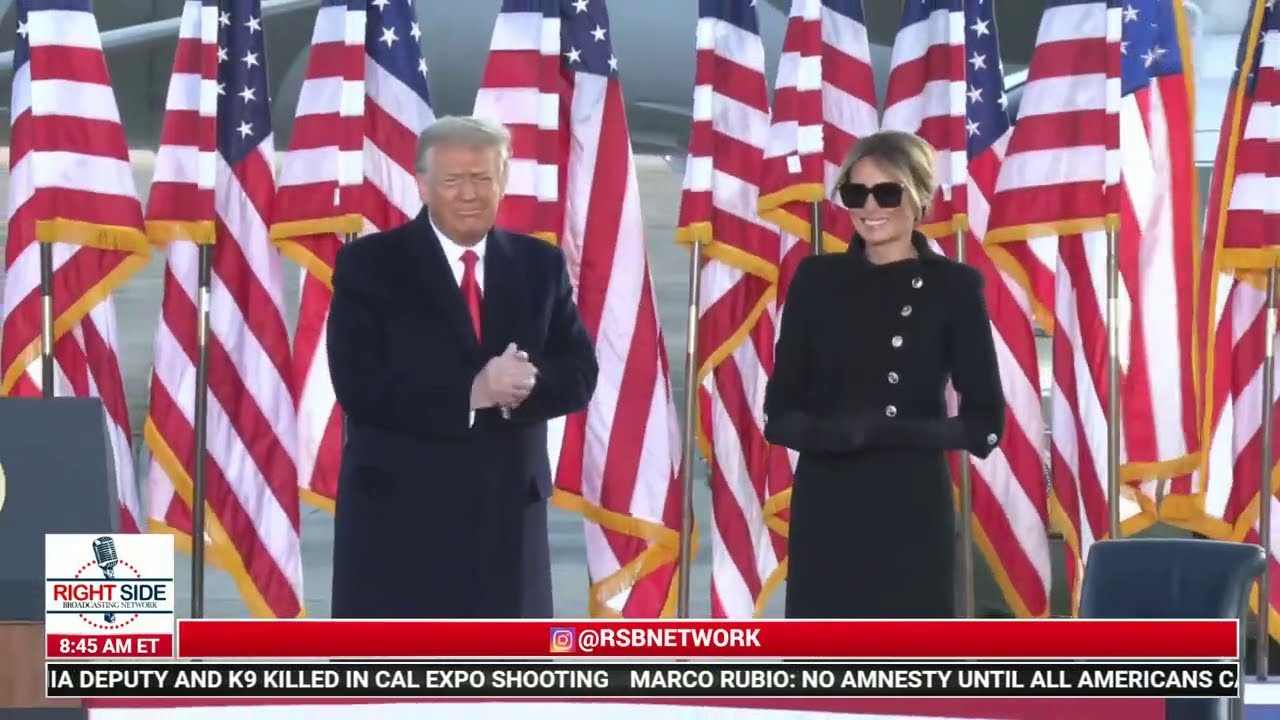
(887, 639)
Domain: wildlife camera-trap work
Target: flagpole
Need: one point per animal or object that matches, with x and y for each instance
(1113, 379)
(46, 319)
(967, 586)
(815, 227)
(690, 435)
(347, 238)
(201, 421)
(1263, 646)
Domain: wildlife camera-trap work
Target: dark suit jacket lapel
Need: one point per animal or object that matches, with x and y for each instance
(438, 282)
(503, 290)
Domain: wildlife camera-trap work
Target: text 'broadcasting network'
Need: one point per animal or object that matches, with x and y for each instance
(569, 640)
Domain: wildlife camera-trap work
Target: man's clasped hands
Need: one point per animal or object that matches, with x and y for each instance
(505, 381)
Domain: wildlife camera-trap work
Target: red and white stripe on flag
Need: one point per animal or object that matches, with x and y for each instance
(945, 84)
(349, 169)
(1010, 498)
(1159, 237)
(926, 96)
(323, 169)
(70, 183)
(521, 88)
(251, 459)
(552, 78)
(351, 161)
(1064, 148)
(824, 101)
(1243, 219)
(1159, 434)
(736, 323)
(1079, 505)
(313, 211)
(1056, 188)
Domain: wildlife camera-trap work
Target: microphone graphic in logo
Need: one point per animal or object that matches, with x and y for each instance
(563, 640)
(104, 553)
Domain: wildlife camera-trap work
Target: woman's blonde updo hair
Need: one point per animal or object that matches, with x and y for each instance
(901, 153)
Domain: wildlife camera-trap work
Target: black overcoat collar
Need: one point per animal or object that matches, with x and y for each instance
(502, 287)
(858, 249)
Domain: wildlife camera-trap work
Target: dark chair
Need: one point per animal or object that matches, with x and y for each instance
(1170, 578)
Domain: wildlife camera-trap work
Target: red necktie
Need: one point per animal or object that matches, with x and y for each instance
(471, 288)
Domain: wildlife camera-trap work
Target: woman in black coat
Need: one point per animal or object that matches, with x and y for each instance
(868, 341)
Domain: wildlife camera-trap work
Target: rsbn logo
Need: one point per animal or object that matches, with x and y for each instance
(109, 590)
(107, 584)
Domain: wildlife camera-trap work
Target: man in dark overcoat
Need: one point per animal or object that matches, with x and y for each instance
(451, 344)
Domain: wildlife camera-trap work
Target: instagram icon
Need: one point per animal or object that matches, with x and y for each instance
(563, 640)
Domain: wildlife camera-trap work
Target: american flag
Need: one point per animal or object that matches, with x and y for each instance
(349, 169)
(70, 182)
(1062, 165)
(618, 462)
(824, 101)
(522, 88)
(736, 323)
(1243, 220)
(944, 51)
(926, 96)
(1057, 186)
(1159, 238)
(251, 461)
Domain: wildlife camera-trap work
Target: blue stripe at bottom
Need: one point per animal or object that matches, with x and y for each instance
(1262, 700)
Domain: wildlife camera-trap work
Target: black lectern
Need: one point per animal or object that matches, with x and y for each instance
(57, 475)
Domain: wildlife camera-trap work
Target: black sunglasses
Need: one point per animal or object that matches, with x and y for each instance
(888, 195)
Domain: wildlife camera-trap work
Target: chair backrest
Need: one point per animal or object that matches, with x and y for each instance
(1172, 578)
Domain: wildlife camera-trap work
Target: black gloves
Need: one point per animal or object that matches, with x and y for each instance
(853, 432)
(835, 434)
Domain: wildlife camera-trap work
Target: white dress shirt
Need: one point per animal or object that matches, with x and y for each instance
(453, 253)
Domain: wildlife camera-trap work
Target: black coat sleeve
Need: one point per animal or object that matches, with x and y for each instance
(567, 367)
(787, 390)
(975, 375)
(790, 420)
(371, 390)
(975, 370)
